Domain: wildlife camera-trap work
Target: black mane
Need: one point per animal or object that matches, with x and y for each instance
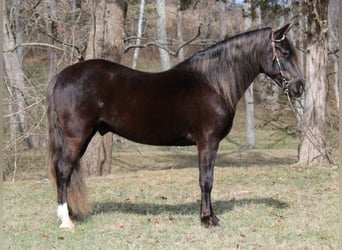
(232, 64)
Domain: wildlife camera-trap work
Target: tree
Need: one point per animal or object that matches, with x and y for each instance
(105, 41)
(223, 20)
(18, 29)
(53, 30)
(180, 30)
(333, 43)
(139, 31)
(249, 96)
(20, 119)
(161, 31)
(312, 145)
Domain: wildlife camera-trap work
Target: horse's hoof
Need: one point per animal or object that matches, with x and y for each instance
(210, 221)
(67, 226)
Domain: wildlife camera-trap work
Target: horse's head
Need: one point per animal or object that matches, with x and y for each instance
(281, 63)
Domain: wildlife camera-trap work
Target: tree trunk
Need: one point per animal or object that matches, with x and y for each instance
(20, 118)
(105, 41)
(18, 30)
(223, 20)
(53, 30)
(180, 32)
(140, 21)
(162, 38)
(312, 145)
(249, 97)
(334, 44)
(250, 127)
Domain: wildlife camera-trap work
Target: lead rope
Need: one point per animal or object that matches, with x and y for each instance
(285, 87)
(312, 137)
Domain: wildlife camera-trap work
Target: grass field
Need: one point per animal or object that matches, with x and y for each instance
(262, 199)
(151, 200)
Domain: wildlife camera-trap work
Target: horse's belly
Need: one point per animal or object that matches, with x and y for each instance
(153, 134)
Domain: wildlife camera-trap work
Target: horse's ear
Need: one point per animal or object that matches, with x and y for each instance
(283, 30)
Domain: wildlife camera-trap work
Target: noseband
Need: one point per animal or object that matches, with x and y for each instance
(284, 83)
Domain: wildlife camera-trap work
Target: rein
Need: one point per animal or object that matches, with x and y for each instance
(284, 83)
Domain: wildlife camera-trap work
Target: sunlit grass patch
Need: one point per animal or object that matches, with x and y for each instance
(275, 206)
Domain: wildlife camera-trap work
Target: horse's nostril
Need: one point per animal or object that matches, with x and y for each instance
(297, 89)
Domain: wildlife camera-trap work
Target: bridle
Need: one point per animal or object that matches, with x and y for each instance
(284, 83)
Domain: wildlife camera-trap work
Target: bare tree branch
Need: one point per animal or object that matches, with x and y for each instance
(26, 108)
(47, 45)
(334, 52)
(155, 43)
(79, 56)
(36, 5)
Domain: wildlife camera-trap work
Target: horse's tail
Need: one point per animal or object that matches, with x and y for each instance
(76, 192)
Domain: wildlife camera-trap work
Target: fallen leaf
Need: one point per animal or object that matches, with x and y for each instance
(157, 220)
(120, 224)
(127, 201)
(45, 235)
(330, 188)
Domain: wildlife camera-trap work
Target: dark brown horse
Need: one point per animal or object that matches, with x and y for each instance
(191, 104)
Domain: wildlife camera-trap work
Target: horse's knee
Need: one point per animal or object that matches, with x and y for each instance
(63, 169)
(206, 182)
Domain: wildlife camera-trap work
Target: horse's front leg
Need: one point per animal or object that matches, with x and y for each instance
(207, 155)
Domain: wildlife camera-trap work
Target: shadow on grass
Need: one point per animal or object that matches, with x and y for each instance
(185, 208)
(185, 160)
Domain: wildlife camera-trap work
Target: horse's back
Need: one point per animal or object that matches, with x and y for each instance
(89, 70)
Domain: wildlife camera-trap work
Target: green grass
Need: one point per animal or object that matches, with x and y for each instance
(267, 204)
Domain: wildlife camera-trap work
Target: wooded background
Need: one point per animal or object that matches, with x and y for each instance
(41, 37)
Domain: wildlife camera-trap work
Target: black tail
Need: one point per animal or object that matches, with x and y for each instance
(55, 133)
(77, 197)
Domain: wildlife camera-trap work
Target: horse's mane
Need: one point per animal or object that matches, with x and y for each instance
(234, 60)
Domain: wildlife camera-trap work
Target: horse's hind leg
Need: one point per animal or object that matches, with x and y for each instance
(207, 155)
(65, 165)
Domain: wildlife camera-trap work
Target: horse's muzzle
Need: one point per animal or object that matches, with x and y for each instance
(296, 87)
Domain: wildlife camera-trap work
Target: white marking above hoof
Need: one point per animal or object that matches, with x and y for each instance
(63, 215)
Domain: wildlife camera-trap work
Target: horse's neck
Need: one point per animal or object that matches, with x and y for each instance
(240, 69)
(230, 66)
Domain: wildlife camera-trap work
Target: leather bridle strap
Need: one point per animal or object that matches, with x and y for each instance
(285, 84)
